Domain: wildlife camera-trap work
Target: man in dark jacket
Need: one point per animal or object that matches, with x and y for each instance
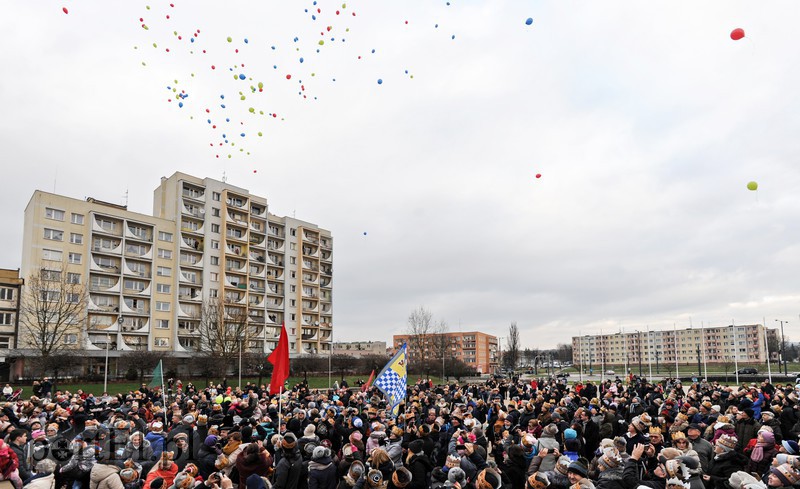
(321, 470)
(591, 434)
(418, 464)
(289, 471)
(17, 440)
(746, 427)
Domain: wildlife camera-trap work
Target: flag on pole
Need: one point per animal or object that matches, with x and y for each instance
(393, 379)
(369, 382)
(279, 358)
(157, 376)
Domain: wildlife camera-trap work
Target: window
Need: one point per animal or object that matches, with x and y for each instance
(106, 224)
(293, 231)
(50, 295)
(293, 246)
(215, 260)
(163, 288)
(214, 276)
(164, 236)
(292, 260)
(293, 274)
(70, 339)
(215, 212)
(213, 293)
(214, 245)
(291, 317)
(73, 298)
(215, 228)
(215, 196)
(163, 324)
(52, 275)
(292, 303)
(161, 342)
(164, 272)
(134, 285)
(53, 255)
(164, 253)
(54, 214)
(136, 249)
(53, 234)
(75, 238)
(5, 342)
(77, 218)
(6, 319)
(6, 294)
(73, 278)
(75, 258)
(292, 288)
(162, 306)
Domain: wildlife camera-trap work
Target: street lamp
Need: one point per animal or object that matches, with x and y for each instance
(639, 341)
(105, 372)
(783, 346)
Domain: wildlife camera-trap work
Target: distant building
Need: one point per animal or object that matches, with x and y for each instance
(712, 345)
(10, 293)
(475, 349)
(360, 348)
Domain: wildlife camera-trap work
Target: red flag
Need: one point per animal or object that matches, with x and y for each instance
(369, 382)
(279, 358)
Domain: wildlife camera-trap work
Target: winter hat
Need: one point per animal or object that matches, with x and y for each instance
(452, 461)
(786, 473)
(675, 483)
(156, 427)
(356, 470)
(374, 478)
(188, 420)
(37, 433)
(309, 431)
(570, 434)
(488, 479)
(401, 477)
(740, 479)
(456, 474)
(721, 421)
(416, 446)
(641, 423)
(551, 429)
(210, 441)
(620, 443)
(166, 460)
(609, 459)
(791, 447)
(727, 442)
(562, 465)
(319, 452)
(768, 437)
(157, 483)
(669, 453)
(580, 467)
(356, 436)
(538, 480)
(289, 441)
(183, 481)
(397, 432)
(358, 423)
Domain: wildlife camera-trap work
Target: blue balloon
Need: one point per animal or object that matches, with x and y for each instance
(529, 21)
(242, 134)
(180, 104)
(301, 60)
(365, 233)
(380, 82)
(245, 40)
(241, 76)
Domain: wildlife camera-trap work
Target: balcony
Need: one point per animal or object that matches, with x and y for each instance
(188, 311)
(105, 266)
(107, 226)
(138, 343)
(135, 326)
(326, 271)
(190, 243)
(326, 256)
(275, 260)
(257, 318)
(193, 193)
(325, 282)
(139, 233)
(258, 210)
(111, 247)
(311, 251)
(310, 238)
(105, 286)
(191, 208)
(237, 235)
(274, 274)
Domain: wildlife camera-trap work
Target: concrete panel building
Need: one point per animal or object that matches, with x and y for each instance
(475, 349)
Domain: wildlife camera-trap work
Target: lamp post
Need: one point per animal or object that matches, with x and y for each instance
(639, 341)
(105, 372)
(240, 363)
(783, 346)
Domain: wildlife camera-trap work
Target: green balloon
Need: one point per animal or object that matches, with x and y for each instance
(752, 186)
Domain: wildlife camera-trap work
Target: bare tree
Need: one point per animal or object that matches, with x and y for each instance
(423, 334)
(223, 331)
(142, 361)
(52, 311)
(511, 355)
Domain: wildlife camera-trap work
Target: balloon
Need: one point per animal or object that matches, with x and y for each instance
(538, 175)
(65, 10)
(380, 82)
(737, 34)
(288, 77)
(230, 39)
(529, 21)
(365, 233)
(752, 186)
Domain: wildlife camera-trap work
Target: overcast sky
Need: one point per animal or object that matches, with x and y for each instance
(644, 120)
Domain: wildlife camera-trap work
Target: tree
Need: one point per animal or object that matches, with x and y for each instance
(142, 361)
(511, 353)
(52, 310)
(422, 332)
(223, 332)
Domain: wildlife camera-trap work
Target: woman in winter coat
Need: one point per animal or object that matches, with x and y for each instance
(165, 469)
(380, 460)
(514, 467)
(321, 470)
(105, 476)
(762, 454)
(609, 466)
(157, 439)
(9, 465)
(726, 461)
(418, 463)
(253, 460)
(139, 450)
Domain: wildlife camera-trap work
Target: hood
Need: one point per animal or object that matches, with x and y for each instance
(145, 444)
(101, 472)
(320, 464)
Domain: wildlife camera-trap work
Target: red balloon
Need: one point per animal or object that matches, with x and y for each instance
(65, 10)
(737, 34)
(288, 77)
(538, 175)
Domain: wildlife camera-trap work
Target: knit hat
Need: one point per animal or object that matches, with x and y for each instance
(562, 465)
(570, 434)
(289, 441)
(609, 459)
(309, 431)
(37, 434)
(488, 479)
(740, 479)
(356, 470)
(551, 429)
(786, 473)
(183, 481)
(319, 452)
(416, 446)
(580, 467)
(456, 474)
(157, 483)
(538, 480)
(676, 483)
(669, 453)
(727, 442)
(401, 477)
(791, 447)
(358, 423)
(210, 441)
(156, 427)
(356, 436)
(128, 475)
(188, 419)
(452, 461)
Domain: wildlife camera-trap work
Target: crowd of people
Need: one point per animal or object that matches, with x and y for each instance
(519, 434)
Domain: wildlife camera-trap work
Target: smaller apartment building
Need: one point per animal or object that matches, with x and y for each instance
(475, 349)
(360, 348)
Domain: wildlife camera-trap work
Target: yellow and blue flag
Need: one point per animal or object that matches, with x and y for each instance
(393, 379)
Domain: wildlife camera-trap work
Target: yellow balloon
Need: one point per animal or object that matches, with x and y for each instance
(752, 186)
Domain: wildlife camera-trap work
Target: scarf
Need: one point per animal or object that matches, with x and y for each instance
(757, 455)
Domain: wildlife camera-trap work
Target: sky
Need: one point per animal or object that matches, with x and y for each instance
(585, 173)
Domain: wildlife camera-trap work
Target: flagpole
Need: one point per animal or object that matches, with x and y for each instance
(649, 354)
(766, 350)
(705, 363)
(675, 333)
(163, 391)
(280, 407)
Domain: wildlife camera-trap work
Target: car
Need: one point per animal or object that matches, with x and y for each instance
(610, 372)
(747, 371)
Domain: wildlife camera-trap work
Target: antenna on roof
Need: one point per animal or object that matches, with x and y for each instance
(224, 178)
(126, 197)
(55, 178)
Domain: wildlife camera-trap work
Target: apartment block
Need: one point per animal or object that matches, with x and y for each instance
(360, 348)
(740, 343)
(149, 276)
(475, 349)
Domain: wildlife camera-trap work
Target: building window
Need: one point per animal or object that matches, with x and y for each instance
(291, 318)
(161, 342)
(77, 218)
(163, 288)
(53, 234)
(6, 319)
(162, 306)
(163, 324)
(53, 255)
(164, 271)
(292, 288)
(6, 294)
(215, 212)
(215, 260)
(73, 278)
(293, 246)
(50, 295)
(51, 275)
(73, 298)
(54, 214)
(292, 303)
(165, 236)
(213, 293)
(76, 238)
(293, 274)
(5, 342)
(70, 339)
(293, 231)
(215, 228)
(214, 276)
(164, 253)
(215, 196)
(75, 258)
(214, 245)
